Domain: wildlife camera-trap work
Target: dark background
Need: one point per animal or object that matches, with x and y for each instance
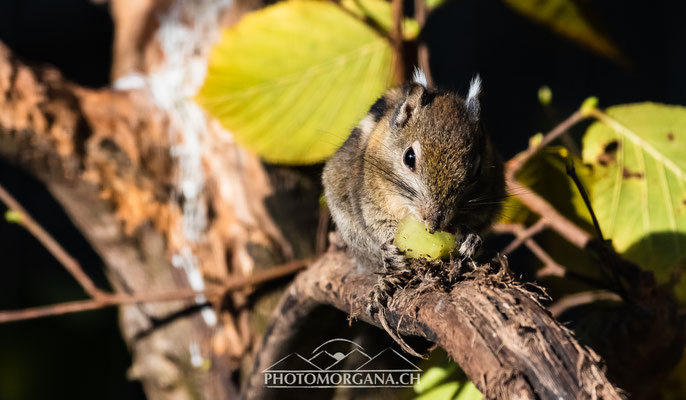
(82, 356)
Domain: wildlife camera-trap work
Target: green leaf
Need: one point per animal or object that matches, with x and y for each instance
(444, 381)
(14, 217)
(291, 80)
(433, 376)
(452, 391)
(469, 392)
(445, 391)
(638, 152)
(566, 18)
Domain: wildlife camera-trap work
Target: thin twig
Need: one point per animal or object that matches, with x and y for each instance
(420, 14)
(550, 266)
(322, 229)
(555, 220)
(537, 204)
(270, 274)
(102, 302)
(525, 234)
(109, 300)
(397, 40)
(517, 162)
(578, 299)
(512, 229)
(365, 19)
(69, 263)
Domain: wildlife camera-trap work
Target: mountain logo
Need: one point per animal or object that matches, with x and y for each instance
(342, 363)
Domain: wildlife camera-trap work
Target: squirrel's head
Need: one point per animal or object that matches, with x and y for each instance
(428, 155)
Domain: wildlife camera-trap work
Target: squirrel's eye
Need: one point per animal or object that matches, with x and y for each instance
(409, 158)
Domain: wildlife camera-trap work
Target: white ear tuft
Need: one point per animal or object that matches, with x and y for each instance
(474, 89)
(473, 106)
(419, 77)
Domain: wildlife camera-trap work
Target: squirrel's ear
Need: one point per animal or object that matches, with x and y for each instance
(419, 77)
(410, 104)
(473, 103)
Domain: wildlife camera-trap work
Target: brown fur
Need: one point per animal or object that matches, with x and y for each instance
(369, 189)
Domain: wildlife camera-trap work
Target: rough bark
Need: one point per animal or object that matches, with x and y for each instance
(66, 135)
(108, 157)
(500, 335)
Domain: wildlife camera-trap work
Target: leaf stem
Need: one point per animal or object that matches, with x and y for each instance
(571, 171)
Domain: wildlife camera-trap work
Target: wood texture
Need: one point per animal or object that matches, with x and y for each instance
(507, 343)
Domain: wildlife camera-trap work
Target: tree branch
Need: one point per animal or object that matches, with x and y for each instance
(496, 330)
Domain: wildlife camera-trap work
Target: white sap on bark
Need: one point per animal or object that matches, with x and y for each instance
(172, 87)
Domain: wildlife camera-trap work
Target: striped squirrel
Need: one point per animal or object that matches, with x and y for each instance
(421, 151)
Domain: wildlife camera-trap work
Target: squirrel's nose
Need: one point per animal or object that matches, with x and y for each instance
(434, 221)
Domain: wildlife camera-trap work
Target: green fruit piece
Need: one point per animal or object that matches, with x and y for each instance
(413, 237)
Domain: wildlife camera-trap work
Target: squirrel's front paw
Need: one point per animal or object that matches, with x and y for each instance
(470, 246)
(377, 299)
(393, 258)
(396, 271)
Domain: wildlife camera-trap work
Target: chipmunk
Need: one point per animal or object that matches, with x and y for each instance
(420, 151)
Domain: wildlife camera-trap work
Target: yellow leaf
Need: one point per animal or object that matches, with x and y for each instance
(291, 80)
(566, 18)
(638, 154)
